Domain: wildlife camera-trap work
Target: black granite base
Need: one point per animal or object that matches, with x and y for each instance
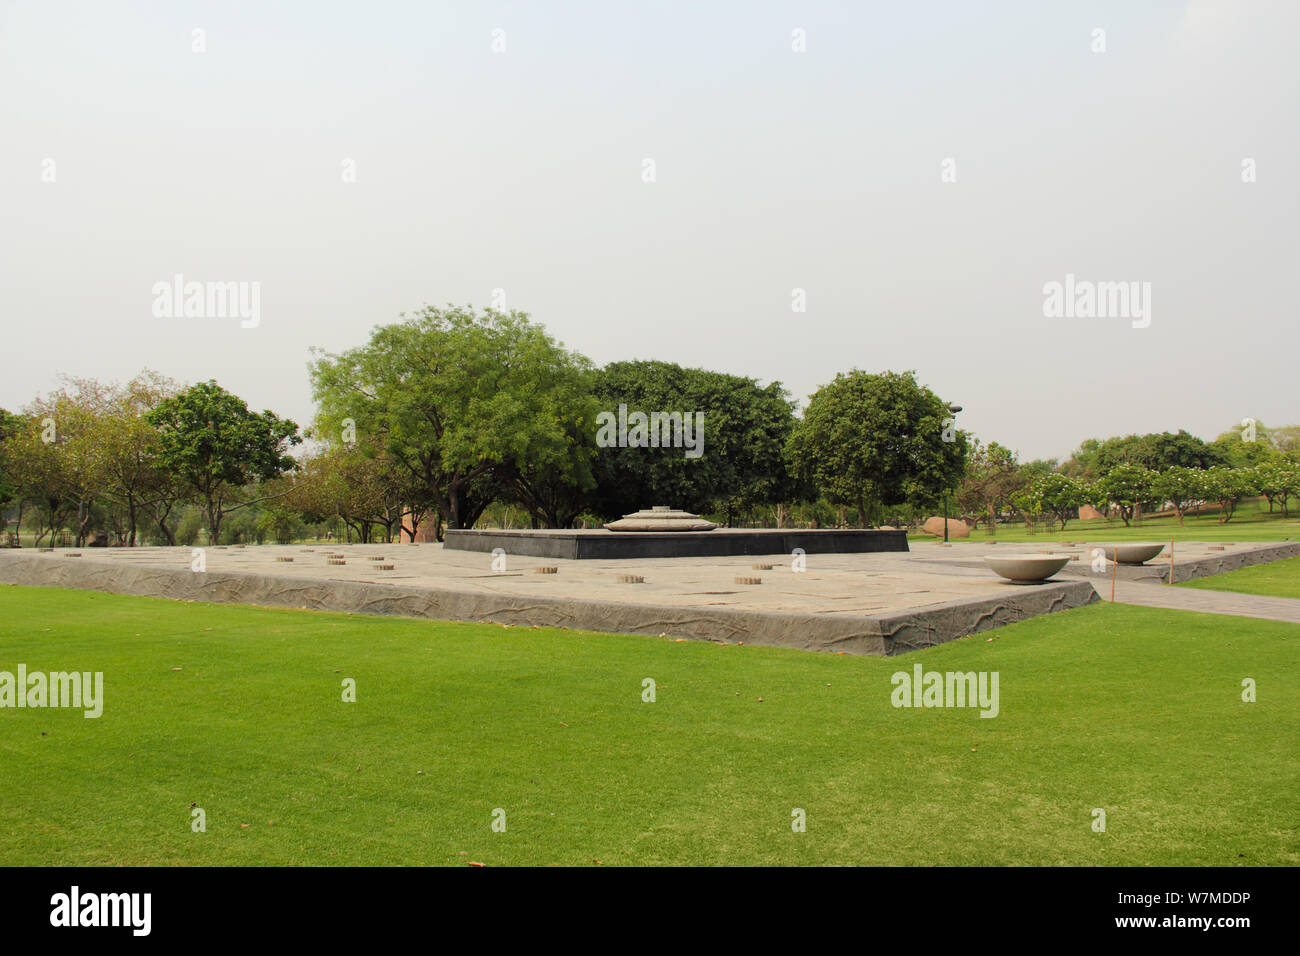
(610, 545)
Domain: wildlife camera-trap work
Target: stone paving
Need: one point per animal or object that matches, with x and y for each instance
(1137, 585)
(865, 603)
(832, 584)
(876, 603)
(1207, 602)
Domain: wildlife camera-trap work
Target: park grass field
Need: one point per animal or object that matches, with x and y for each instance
(1251, 522)
(1276, 579)
(237, 710)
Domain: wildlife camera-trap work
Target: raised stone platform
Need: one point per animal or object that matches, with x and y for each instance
(881, 603)
(599, 544)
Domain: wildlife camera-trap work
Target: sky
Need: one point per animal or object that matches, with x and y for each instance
(777, 190)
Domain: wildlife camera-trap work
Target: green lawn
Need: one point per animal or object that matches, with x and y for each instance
(1133, 710)
(1277, 578)
(1251, 522)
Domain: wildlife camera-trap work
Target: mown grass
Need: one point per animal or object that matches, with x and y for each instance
(1251, 522)
(1276, 579)
(237, 711)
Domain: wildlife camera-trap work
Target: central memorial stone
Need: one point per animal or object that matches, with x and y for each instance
(661, 518)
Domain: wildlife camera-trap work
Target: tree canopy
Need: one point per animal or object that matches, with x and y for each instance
(469, 405)
(744, 430)
(870, 440)
(211, 441)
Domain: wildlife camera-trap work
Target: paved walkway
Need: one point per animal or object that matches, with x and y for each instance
(1208, 602)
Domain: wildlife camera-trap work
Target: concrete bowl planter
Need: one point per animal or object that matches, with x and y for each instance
(1026, 568)
(1133, 553)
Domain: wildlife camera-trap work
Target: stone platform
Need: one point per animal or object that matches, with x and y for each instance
(1191, 559)
(879, 603)
(599, 544)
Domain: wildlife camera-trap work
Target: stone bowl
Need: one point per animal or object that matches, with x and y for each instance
(1133, 553)
(1026, 568)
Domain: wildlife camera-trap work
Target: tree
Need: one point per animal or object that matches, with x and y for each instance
(211, 441)
(871, 440)
(1028, 505)
(1277, 479)
(71, 471)
(34, 467)
(740, 429)
(553, 479)
(1286, 439)
(1154, 451)
(279, 522)
(462, 402)
(1228, 486)
(134, 476)
(1246, 445)
(10, 425)
(353, 483)
(1058, 495)
(992, 477)
(1128, 487)
(1181, 487)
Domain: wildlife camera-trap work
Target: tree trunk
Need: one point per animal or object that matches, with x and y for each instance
(453, 505)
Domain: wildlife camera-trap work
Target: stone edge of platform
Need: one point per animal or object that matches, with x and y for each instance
(886, 634)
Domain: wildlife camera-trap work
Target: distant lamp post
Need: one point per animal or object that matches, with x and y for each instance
(954, 409)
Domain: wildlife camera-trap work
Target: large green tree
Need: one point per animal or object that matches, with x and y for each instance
(216, 447)
(1278, 479)
(1246, 446)
(135, 479)
(64, 458)
(1181, 487)
(13, 428)
(1228, 486)
(1128, 487)
(471, 406)
(739, 427)
(878, 440)
(1155, 451)
(10, 424)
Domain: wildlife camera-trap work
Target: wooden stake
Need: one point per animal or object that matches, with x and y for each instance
(1171, 560)
(1114, 567)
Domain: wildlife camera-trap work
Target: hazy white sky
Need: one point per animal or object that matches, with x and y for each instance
(523, 170)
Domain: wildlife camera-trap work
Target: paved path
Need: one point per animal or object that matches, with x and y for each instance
(1208, 602)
